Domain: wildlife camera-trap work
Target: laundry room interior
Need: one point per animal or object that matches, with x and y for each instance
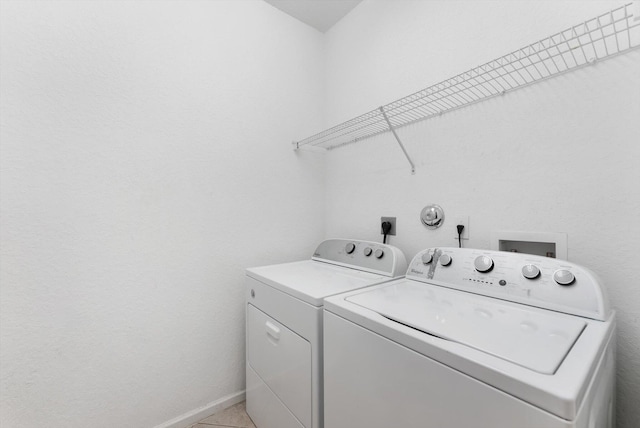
(150, 155)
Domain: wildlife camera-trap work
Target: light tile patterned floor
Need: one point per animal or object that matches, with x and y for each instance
(234, 416)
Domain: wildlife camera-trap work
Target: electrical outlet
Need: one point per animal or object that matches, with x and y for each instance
(391, 220)
(463, 220)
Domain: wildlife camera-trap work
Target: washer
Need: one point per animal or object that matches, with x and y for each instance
(472, 338)
(284, 326)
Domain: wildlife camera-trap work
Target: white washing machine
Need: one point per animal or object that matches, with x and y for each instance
(284, 326)
(472, 338)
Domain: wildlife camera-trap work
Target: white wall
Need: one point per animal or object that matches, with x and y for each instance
(146, 161)
(558, 156)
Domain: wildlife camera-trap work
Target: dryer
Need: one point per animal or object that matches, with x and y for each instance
(472, 338)
(284, 326)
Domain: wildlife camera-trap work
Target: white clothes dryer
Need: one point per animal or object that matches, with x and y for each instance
(284, 326)
(472, 338)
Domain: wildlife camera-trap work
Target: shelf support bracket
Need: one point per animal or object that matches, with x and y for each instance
(393, 131)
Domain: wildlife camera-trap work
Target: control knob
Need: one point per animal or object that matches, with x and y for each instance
(445, 260)
(483, 264)
(564, 277)
(530, 271)
(427, 258)
(350, 247)
(379, 253)
(368, 251)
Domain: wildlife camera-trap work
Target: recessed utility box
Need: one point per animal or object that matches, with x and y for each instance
(549, 244)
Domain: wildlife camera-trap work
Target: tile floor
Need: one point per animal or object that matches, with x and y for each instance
(234, 417)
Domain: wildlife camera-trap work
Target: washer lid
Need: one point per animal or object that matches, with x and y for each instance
(533, 338)
(312, 281)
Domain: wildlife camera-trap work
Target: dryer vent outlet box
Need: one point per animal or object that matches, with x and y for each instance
(548, 244)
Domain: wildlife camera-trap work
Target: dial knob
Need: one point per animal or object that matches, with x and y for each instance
(368, 251)
(530, 271)
(379, 253)
(350, 247)
(564, 277)
(427, 258)
(483, 264)
(445, 260)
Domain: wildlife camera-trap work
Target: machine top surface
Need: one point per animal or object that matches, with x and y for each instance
(337, 266)
(530, 337)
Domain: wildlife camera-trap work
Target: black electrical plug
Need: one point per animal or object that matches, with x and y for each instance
(460, 229)
(386, 228)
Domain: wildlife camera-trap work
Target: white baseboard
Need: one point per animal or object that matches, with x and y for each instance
(200, 413)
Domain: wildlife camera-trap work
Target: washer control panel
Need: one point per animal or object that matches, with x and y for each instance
(533, 280)
(363, 255)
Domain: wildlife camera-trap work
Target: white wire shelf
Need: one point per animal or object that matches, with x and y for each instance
(604, 36)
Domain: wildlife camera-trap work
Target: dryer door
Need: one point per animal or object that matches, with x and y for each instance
(282, 359)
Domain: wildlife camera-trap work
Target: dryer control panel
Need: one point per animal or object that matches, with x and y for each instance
(362, 255)
(532, 280)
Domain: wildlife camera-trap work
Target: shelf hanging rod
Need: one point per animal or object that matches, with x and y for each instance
(393, 131)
